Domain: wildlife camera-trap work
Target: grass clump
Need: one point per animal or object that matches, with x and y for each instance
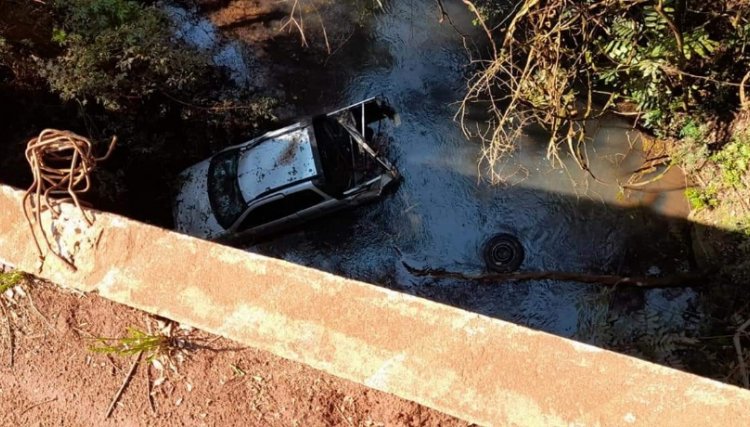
(135, 342)
(733, 161)
(723, 176)
(692, 131)
(702, 198)
(9, 280)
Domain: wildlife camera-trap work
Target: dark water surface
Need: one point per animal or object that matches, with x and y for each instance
(442, 212)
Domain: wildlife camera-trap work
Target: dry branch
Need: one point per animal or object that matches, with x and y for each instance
(741, 354)
(36, 405)
(675, 281)
(550, 67)
(296, 20)
(125, 383)
(533, 76)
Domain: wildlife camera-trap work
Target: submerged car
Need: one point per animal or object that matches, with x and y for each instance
(282, 178)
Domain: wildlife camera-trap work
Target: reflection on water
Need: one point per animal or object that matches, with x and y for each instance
(442, 213)
(201, 33)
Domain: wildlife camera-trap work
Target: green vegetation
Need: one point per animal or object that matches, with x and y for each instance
(118, 52)
(724, 172)
(10, 279)
(115, 67)
(693, 131)
(135, 342)
(676, 69)
(733, 160)
(673, 66)
(702, 199)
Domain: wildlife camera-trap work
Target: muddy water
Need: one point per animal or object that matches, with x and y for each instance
(443, 212)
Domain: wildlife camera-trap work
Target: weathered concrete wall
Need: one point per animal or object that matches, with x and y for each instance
(476, 368)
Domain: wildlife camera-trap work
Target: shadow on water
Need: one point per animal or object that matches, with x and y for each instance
(559, 233)
(443, 213)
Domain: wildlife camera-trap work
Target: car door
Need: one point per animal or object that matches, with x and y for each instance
(278, 212)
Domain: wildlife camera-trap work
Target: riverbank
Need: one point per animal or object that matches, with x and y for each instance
(676, 72)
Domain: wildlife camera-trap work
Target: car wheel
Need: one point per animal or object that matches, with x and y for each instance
(503, 253)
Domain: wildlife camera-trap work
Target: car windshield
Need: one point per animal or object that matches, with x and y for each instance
(223, 189)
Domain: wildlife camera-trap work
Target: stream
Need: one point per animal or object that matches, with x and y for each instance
(443, 211)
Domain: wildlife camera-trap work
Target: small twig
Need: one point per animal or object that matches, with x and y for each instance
(125, 383)
(39, 313)
(323, 27)
(348, 421)
(346, 40)
(443, 15)
(634, 185)
(743, 98)
(441, 10)
(11, 339)
(36, 405)
(659, 8)
(741, 354)
(149, 388)
(483, 24)
(292, 21)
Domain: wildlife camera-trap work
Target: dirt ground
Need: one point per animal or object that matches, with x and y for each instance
(56, 379)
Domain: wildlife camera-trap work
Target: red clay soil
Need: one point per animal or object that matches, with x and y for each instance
(57, 380)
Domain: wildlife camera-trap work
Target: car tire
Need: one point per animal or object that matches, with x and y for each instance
(503, 253)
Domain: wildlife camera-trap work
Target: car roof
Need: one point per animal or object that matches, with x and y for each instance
(276, 162)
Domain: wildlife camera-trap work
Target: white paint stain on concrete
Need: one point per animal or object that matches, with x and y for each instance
(707, 395)
(470, 323)
(256, 264)
(381, 377)
(111, 285)
(198, 301)
(585, 348)
(116, 222)
(108, 281)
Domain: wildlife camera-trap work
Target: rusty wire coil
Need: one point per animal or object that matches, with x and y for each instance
(61, 163)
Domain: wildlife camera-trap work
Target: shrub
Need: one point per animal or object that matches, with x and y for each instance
(118, 52)
(702, 199)
(558, 63)
(734, 161)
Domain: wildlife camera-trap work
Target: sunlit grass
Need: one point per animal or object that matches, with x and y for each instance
(9, 280)
(135, 342)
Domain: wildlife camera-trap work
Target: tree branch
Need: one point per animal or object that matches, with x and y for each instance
(675, 281)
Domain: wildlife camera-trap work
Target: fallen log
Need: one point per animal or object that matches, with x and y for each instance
(672, 281)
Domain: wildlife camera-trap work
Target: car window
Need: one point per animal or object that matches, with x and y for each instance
(345, 164)
(281, 208)
(223, 189)
(335, 148)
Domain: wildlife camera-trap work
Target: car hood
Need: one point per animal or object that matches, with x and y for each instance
(192, 209)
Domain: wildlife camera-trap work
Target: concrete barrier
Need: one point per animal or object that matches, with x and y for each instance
(480, 369)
